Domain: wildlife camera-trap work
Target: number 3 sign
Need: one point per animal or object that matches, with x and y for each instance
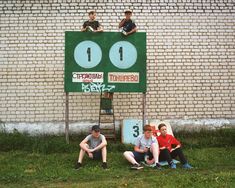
(131, 129)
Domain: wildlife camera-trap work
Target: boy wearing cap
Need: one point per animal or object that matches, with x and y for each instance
(145, 145)
(127, 25)
(92, 24)
(94, 145)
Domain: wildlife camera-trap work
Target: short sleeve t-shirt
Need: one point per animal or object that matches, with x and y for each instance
(142, 142)
(94, 142)
(94, 24)
(128, 25)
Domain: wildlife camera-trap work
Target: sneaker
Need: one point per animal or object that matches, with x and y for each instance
(158, 166)
(137, 167)
(187, 166)
(78, 166)
(173, 165)
(104, 165)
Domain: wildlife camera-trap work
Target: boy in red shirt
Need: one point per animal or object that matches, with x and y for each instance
(167, 152)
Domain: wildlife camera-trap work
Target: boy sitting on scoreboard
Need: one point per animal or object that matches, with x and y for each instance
(94, 145)
(128, 26)
(92, 24)
(145, 144)
(170, 148)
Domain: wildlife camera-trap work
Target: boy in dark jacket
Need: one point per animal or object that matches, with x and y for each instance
(128, 26)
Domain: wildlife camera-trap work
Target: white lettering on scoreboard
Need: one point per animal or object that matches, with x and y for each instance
(123, 77)
(88, 77)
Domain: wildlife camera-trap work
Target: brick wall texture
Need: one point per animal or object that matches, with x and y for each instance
(190, 58)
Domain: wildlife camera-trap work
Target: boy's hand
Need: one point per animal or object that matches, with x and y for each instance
(146, 149)
(178, 146)
(90, 155)
(84, 29)
(149, 162)
(90, 150)
(122, 22)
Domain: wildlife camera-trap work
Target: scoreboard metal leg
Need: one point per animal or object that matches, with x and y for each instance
(144, 109)
(67, 117)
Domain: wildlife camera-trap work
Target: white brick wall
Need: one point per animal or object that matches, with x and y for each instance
(190, 58)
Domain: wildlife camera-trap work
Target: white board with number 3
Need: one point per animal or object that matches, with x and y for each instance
(131, 129)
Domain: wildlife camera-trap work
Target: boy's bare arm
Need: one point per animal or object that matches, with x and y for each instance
(137, 149)
(102, 144)
(132, 31)
(83, 145)
(121, 23)
(99, 29)
(84, 29)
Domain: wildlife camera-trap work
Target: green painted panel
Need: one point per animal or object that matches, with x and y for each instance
(107, 61)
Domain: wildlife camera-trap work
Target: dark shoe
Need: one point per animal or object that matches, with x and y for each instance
(136, 167)
(78, 166)
(158, 166)
(104, 165)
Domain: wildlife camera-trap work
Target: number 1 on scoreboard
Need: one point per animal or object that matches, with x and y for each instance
(121, 53)
(89, 54)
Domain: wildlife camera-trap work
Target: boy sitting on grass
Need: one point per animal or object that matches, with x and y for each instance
(146, 144)
(167, 153)
(94, 145)
(92, 24)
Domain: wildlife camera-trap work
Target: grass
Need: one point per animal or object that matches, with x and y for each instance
(47, 161)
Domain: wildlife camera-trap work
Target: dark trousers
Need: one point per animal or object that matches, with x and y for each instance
(166, 155)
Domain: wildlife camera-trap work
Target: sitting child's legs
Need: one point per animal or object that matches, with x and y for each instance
(178, 152)
(104, 154)
(130, 157)
(165, 155)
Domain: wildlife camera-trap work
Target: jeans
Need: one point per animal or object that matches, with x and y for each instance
(166, 155)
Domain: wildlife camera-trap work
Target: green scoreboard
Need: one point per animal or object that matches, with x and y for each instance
(105, 62)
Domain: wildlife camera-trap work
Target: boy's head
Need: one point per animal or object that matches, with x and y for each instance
(95, 131)
(162, 128)
(92, 15)
(147, 131)
(128, 14)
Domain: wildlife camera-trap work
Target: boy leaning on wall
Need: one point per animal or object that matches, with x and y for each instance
(127, 25)
(92, 24)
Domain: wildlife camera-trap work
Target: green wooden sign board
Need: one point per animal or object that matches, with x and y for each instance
(105, 62)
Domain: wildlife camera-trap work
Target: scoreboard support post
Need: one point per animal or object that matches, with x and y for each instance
(144, 108)
(67, 117)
